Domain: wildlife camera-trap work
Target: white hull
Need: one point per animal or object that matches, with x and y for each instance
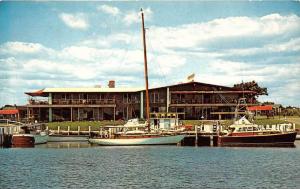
(40, 139)
(163, 140)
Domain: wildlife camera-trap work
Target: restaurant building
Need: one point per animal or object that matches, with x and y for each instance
(193, 100)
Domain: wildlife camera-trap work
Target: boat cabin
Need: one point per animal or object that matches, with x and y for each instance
(165, 121)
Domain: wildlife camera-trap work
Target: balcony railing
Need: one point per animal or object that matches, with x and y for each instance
(206, 101)
(83, 101)
(73, 102)
(37, 102)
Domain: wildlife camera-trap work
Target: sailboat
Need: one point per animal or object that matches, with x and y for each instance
(132, 135)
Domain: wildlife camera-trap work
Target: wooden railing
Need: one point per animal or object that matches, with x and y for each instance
(83, 101)
(73, 101)
(205, 101)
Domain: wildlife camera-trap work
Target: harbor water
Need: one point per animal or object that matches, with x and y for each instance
(79, 165)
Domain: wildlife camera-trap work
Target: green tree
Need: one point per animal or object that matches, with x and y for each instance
(251, 86)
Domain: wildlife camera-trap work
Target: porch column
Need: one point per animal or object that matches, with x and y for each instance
(114, 114)
(50, 115)
(142, 105)
(50, 109)
(71, 114)
(78, 114)
(50, 98)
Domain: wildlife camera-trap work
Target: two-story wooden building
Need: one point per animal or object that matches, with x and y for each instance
(194, 100)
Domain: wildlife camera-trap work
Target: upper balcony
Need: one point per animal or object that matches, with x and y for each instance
(70, 102)
(208, 102)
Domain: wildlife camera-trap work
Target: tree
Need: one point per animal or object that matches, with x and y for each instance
(251, 86)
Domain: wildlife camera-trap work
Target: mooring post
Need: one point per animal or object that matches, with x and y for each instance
(196, 133)
(78, 130)
(69, 130)
(58, 129)
(89, 130)
(211, 140)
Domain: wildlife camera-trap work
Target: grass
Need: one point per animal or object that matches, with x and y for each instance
(262, 120)
(84, 125)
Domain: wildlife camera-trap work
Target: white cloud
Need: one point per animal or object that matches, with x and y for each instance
(202, 34)
(109, 9)
(166, 63)
(76, 21)
(112, 40)
(17, 47)
(135, 17)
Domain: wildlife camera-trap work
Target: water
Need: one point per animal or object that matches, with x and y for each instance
(77, 165)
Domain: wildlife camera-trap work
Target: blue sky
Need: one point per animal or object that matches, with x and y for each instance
(82, 44)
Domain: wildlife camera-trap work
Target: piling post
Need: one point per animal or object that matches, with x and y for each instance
(89, 130)
(58, 129)
(196, 133)
(69, 130)
(78, 130)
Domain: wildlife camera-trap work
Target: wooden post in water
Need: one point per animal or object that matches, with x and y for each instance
(78, 130)
(196, 133)
(58, 129)
(211, 137)
(69, 130)
(89, 130)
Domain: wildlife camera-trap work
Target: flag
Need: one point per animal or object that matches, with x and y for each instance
(191, 77)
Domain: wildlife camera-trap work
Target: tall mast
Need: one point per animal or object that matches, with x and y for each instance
(146, 72)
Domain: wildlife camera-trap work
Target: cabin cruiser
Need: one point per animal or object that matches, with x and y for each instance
(245, 133)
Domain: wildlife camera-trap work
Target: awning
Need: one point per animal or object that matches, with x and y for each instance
(9, 112)
(36, 93)
(260, 108)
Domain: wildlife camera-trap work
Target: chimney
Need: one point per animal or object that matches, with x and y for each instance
(111, 84)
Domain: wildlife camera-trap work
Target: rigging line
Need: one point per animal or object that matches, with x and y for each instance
(163, 75)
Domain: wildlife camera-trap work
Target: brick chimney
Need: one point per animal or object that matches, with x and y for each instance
(111, 84)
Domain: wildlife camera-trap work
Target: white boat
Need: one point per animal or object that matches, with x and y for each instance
(133, 133)
(142, 140)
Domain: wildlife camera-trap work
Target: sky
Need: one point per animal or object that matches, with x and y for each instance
(83, 44)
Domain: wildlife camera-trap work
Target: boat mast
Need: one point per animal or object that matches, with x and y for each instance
(146, 72)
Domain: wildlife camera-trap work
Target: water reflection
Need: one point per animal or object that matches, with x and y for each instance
(88, 145)
(64, 145)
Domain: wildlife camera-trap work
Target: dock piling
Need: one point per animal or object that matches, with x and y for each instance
(196, 132)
